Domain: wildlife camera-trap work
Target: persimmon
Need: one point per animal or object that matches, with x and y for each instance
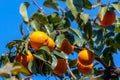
(86, 57)
(61, 67)
(66, 47)
(51, 44)
(84, 69)
(24, 59)
(108, 18)
(38, 39)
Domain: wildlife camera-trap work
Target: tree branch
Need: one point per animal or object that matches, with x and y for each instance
(74, 77)
(100, 60)
(40, 8)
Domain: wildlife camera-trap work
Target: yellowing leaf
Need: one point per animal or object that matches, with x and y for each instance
(23, 11)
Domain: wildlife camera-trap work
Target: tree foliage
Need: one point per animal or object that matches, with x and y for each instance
(75, 25)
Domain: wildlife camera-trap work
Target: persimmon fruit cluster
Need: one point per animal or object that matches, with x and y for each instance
(85, 60)
(39, 39)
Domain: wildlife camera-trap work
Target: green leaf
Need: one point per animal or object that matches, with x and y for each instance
(70, 37)
(69, 15)
(117, 25)
(19, 68)
(60, 54)
(72, 7)
(117, 38)
(96, 25)
(35, 24)
(87, 4)
(102, 12)
(59, 40)
(13, 43)
(79, 42)
(45, 48)
(76, 32)
(54, 18)
(23, 11)
(85, 17)
(97, 35)
(54, 62)
(32, 66)
(47, 70)
(42, 56)
(42, 18)
(21, 29)
(87, 28)
(116, 5)
(72, 63)
(51, 4)
(78, 5)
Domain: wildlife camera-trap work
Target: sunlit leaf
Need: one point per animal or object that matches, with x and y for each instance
(54, 62)
(23, 11)
(79, 42)
(71, 6)
(60, 54)
(85, 17)
(19, 68)
(116, 5)
(102, 11)
(6, 70)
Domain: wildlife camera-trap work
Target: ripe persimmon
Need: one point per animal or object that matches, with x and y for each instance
(84, 69)
(86, 57)
(108, 18)
(51, 44)
(66, 47)
(38, 39)
(61, 67)
(24, 59)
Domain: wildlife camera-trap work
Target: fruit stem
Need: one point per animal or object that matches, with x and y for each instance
(74, 77)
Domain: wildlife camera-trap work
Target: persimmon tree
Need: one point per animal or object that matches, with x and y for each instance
(52, 37)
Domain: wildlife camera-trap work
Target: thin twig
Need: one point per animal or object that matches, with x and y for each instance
(74, 77)
(40, 8)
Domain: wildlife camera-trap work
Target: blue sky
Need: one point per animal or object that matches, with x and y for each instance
(10, 20)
